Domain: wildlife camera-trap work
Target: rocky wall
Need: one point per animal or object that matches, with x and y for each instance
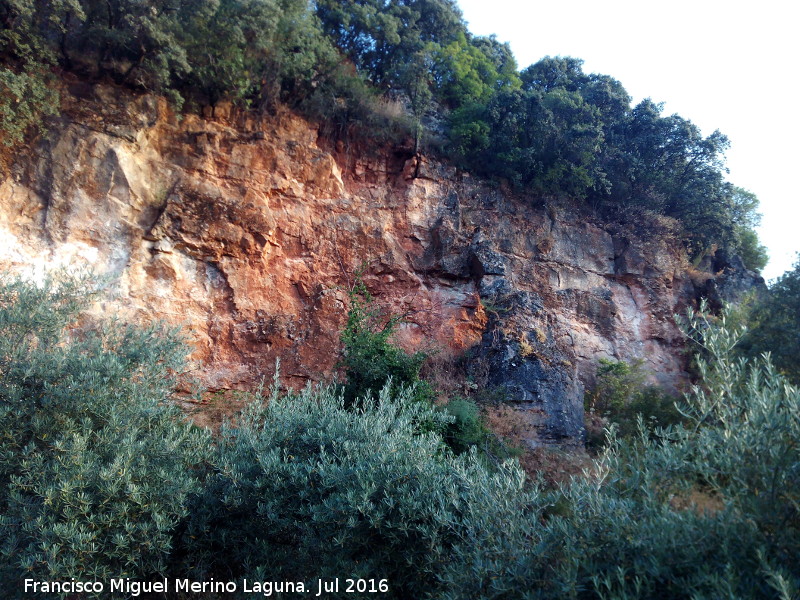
(246, 231)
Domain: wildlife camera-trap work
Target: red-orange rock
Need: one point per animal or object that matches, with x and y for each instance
(246, 232)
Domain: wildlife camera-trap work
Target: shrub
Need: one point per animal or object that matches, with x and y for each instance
(775, 325)
(370, 360)
(100, 477)
(627, 531)
(25, 97)
(306, 487)
(621, 396)
(27, 90)
(467, 429)
(96, 467)
(746, 441)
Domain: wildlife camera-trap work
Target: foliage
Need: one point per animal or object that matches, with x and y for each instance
(25, 98)
(370, 360)
(622, 397)
(373, 363)
(100, 477)
(541, 140)
(775, 325)
(304, 58)
(230, 46)
(745, 217)
(26, 90)
(96, 467)
(665, 164)
(706, 510)
(241, 50)
(351, 110)
(381, 37)
(467, 429)
(472, 70)
(303, 490)
(746, 443)
(754, 255)
(258, 51)
(570, 133)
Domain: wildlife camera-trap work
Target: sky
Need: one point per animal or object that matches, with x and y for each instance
(722, 65)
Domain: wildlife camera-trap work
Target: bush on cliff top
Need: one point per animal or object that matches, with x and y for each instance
(551, 128)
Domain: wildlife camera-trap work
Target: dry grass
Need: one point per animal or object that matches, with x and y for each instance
(525, 349)
(554, 465)
(445, 370)
(549, 464)
(212, 409)
(697, 500)
(698, 277)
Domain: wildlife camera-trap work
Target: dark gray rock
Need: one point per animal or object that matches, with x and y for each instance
(484, 260)
(534, 377)
(732, 282)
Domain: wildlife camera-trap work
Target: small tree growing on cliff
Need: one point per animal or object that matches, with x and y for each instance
(369, 358)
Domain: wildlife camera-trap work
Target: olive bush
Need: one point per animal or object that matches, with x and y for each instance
(101, 477)
(96, 465)
(705, 509)
(305, 487)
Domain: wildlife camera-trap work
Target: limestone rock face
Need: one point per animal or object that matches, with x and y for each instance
(246, 231)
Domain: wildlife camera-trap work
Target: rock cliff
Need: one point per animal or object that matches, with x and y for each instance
(246, 230)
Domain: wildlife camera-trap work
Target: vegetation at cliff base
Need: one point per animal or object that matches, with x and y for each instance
(370, 360)
(622, 397)
(373, 364)
(101, 476)
(97, 466)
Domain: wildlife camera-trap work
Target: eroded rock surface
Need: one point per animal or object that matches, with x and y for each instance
(246, 231)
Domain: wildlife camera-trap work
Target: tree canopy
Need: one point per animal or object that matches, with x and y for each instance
(775, 325)
(550, 129)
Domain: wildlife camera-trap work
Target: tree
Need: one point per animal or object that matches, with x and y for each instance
(745, 218)
(96, 463)
(380, 37)
(136, 42)
(544, 141)
(304, 58)
(754, 255)
(27, 93)
(551, 73)
(305, 487)
(257, 52)
(370, 360)
(775, 325)
(473, 70)
(622, 396)
(229, 48)
(415, 82)
(707, 509)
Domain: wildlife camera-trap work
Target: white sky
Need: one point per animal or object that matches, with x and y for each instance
(723, 65)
